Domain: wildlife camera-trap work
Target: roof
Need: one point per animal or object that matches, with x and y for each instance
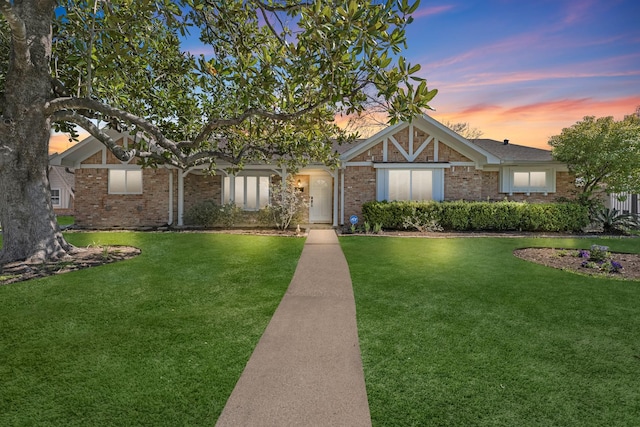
(513, 152)
(431, 126)
(66, 177)
(343, 148)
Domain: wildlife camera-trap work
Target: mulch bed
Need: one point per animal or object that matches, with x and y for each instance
(566, 259)
(81, 258)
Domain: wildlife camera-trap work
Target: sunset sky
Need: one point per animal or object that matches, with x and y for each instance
(523, 70)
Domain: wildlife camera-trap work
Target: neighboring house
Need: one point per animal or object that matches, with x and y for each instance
(423, 160)
(61, 181)
(624, 202)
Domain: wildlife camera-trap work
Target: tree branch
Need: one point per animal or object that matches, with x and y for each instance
(281, 8)
(18, 33)
(60, 104)
(257, 112)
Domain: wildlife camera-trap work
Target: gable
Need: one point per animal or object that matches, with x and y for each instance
(423, 141)
(90, 151)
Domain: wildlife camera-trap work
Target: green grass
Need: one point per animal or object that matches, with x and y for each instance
(65, 220)
(157, 340)
(460, 332)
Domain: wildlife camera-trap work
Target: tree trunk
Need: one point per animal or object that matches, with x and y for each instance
(29, 227)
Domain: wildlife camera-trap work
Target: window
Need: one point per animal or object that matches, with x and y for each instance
(249, 192)
(123, 181)
(410, 184)
(529, 179)
(55, 196)
(520, 180)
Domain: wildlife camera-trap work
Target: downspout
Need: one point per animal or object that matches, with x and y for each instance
(342, 196)
(180, 197)
(336, 176)
(170, 220)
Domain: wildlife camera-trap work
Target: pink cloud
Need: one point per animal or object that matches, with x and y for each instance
(577, 11)
(430, 11)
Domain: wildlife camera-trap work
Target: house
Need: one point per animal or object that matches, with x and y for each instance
(61, 181)
(625, 203)
(422, 160)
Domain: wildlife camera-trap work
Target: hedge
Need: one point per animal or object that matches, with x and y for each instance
(485, 216)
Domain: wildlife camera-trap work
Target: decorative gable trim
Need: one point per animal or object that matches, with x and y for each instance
(436, 133)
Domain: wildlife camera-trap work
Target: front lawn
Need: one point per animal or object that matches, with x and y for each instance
(157, 340)
(460, 332)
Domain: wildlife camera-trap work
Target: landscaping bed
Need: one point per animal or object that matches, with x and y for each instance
(81, 258)
(569, 259)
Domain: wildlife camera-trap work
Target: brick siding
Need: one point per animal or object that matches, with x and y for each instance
(359, 187)
(95, 208)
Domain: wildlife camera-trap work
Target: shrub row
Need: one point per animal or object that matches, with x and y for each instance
(209, 214)
(488, 216)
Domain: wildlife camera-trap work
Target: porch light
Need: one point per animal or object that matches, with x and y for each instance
(299, 183)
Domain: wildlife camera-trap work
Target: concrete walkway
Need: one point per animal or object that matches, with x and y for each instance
(306, 370)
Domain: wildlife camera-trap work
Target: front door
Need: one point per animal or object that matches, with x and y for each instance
(320, 190)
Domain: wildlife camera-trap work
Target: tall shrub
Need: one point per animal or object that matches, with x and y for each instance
(286, 204)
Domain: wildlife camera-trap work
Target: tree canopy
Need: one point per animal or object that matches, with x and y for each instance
(274, 75)
(602, 152)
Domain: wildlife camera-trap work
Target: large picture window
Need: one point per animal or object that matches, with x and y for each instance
(123, 181)
(410, 184)
(247, 192)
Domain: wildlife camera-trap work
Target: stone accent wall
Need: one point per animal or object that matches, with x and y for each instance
(359, 187)
(95, 208)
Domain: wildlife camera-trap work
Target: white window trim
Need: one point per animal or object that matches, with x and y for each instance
(59, 197)
(382, 181)
(232, 189)
(126, 174)
(507, 180)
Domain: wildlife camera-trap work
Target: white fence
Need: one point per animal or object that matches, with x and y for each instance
(630, 204)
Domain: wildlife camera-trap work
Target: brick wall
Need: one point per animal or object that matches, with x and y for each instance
(359, 187)
(95, 208)
(565, 188)
(463, 183)
(201, 187)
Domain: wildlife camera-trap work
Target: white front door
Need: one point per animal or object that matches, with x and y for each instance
(320, 191)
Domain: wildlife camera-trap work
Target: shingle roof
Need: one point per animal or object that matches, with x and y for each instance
(343, 148)
(513, 152)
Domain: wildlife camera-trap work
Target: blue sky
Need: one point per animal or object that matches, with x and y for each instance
(523, 70)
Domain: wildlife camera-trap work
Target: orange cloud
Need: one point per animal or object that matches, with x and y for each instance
(59, 142)
(533, 124)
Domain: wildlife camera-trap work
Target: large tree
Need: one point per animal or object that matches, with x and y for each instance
(276, 74)
(602, 152)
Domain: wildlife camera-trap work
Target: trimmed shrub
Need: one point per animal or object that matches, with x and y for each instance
(481, 216)
(208, 213)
